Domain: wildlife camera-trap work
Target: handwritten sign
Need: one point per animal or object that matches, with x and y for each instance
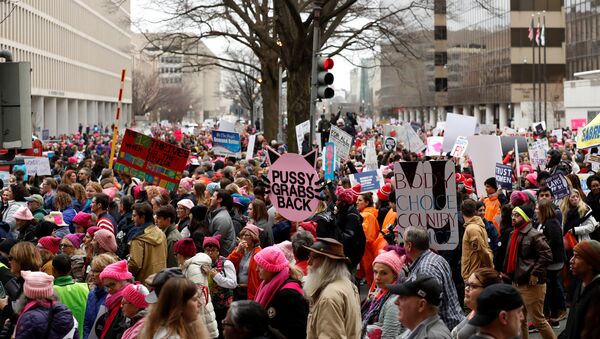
(159, 163)
(301, 130)
(38, 165)
(342, 141)
(227, 144)
(504, 176)
(250, 150)
(426, 198)
(557, 183)
(537, 153)
(460, 146)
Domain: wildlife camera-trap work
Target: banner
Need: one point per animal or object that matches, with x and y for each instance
(589, 136)
(485, 152)
(302, 129)
(250, 150)
(37, 165)
(434, 146)
(557, 183)
(342, 141)
(504, 176)
(390, 144)
(457, 125)
(159, 163)
(227, 144)
(537, 153)
(460, 146)
(426, 198)
(293, 179)
(329, 164)
(370, 181)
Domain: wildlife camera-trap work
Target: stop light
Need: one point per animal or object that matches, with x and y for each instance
(324, 78)
(15, 105)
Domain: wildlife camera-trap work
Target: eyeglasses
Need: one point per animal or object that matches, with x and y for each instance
(471, 286)
(65, 245)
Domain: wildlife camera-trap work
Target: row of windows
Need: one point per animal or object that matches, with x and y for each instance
(170, 70)
(171, 59)
(170, 81)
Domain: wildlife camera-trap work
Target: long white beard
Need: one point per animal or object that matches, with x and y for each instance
(313, 280)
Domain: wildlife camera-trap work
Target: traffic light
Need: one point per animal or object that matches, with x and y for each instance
(324, 78)
(15, 105)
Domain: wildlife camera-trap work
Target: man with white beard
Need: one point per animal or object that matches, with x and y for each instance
(334, 299)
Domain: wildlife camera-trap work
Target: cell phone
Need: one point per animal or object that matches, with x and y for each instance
(2, 291)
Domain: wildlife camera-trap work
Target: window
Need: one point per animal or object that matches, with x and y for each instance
(441, 84)
(441, 58)
(440, 33)
(439, 7)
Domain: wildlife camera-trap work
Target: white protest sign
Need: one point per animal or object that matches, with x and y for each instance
(434, 146)
(537, 153)
(342, 141)
(558, 134)
(392, 130)
(302, 129)
(411, 140)
(426, 198)
(250, 151)
(370, 156)
(485, 151)
(38, 165)
(5, 177)
(457, 125)
(460, 146)
(226, 126)
(539, 127)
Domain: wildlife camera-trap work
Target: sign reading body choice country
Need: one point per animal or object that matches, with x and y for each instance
(293, 179)
(426, 198)
(227, 144)
(157, 162)
(342, 141)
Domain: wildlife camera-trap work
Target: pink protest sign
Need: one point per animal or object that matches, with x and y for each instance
(578, 123)
(293, 179)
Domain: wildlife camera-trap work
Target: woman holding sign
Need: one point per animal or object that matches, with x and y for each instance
(375, 241)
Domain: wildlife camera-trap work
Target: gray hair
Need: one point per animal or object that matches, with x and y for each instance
(300, 239)
(418, 237)
(329, 270)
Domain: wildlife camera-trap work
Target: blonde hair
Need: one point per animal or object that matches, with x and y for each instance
(79, 192)
(565, 205)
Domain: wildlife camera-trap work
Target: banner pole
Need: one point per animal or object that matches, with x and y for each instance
(116, 123)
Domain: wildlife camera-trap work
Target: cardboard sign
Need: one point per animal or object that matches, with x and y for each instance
(5, 177)
(457, 125)
(460, 147)
(342, 141)
(370, 156)
(426, 198)
(293, 180)
(504, 176)
(159, 163)
(226, 126)
(558, 134)
(557, 183)
(434, 146)
(227, 144)
(537, 153)
(370, 181)
(485, 152)
(539, 128)
(302, 129)
(329, 164)
(250, 150)
(390, 144)
(37, 165)
(411, 140)
(576, 124)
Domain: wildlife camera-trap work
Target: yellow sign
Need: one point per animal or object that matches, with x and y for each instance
(589, 136)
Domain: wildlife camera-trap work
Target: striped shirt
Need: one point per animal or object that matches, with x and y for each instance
(106, 221)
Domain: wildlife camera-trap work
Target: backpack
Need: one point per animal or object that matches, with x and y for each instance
(353, 238)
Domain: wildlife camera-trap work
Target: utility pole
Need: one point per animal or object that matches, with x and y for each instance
(313, 77)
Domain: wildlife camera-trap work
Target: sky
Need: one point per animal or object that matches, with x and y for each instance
(142, 15)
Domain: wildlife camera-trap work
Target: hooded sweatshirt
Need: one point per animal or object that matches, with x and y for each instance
(472, 259)
(148, 253)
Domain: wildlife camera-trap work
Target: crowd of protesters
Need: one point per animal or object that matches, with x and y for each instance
(89, 252)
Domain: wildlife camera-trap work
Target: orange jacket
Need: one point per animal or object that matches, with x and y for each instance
(375, 242)
(492, 210)
(390, 219)
(253, 278)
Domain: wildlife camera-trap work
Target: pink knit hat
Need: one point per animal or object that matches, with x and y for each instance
(136, 295)
(271, 259)
(38, 285)
(185, 247)
(50, 243)
(286, 248)
(255, 230)
(344, 195)
(106, 240)
(212, 241)
(117, 271)
(75, 239)
(92, 230)
(83, 219)
(187, 184)
(390, 259)
(187, 203)
(23, 213)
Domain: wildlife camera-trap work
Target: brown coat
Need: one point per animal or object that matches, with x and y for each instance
(473, 259)
(148, 253)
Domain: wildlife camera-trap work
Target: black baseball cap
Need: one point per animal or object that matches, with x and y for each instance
(494, 299)
(423, 287)
(159, 280)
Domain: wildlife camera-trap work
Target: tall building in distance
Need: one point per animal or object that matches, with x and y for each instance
(77, 49)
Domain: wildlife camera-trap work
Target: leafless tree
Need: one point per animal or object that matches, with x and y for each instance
(243, 85)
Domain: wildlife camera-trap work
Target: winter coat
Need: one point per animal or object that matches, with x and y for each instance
(492, 210)
(8, 216)
(472, 260)
(253, 278)
(74, 296)
(374, 242)
(349, 221)
(221, 286)
(35, 323)
(553, 233)
(134, 330)
(533, 256)
(586, 227)
(192, 269)
(148, 253)
(581, 302)
(68, 214)
(288, 310)
(95, 299)
(173, 236)
(335, 312)
(266, 236)
(220, 223)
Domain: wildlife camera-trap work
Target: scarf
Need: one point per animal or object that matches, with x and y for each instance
(512, 248)
(114, 300)
(34, 304)
(267, 290)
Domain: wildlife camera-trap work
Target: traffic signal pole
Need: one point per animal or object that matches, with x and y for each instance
(315, 60)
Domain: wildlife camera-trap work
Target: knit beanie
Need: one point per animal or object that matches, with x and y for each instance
(38, 285)
(356, 192)
(136, 295)
(187, 203)
(532, 178)
(23, 213)
(199, 212)
(286, 248)
(92, 231)
(185, 247)
(212, 187)
(83, 219)
(384, 192)
(519, 198)
(254, 230)
(187, 184)
(50, 243)
(344, 195)
(589, 251)
(75, 239)
(106, 240)
(468, 185)
(271, 259)
(390, 259)
(212, 241)
(116, 271)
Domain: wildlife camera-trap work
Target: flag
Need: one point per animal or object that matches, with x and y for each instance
(530, 35)
(537, 33)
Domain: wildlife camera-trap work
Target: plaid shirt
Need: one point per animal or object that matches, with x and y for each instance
(433, 265)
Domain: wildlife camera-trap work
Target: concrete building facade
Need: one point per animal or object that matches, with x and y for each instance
(77, 49)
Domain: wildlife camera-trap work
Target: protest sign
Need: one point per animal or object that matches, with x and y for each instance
(485, 152)
(411, 139)
(583, 181)
(539, 128)
(293, 179)
(504, 176)
(393, 130)
(589, 136)
(434, 146)
(557, 133)
(155, 161)
(370, 156)
(227, 144)
(342, 141)
(370, 181)
(45, 134)
(390, 144)
(37, 165)
(508, 143)
(226, 126)
(457, 125)
(487, 129)
(460, 146)
(178, 135)
(576, 124)
(250, 150)
(302, 129)
(557, 183)
(426, 198)
(5, 177)
(329, 163)
(537, 153)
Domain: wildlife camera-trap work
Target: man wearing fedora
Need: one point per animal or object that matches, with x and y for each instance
(334, 299)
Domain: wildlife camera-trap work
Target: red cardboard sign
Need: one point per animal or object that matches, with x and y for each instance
(578, 123)
(157, 162)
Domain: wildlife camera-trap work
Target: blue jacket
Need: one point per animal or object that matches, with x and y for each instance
(68, 215)
(493, 237)
(34, 323)
(95, 299)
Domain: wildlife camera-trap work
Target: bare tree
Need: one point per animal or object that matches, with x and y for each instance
(244, 83)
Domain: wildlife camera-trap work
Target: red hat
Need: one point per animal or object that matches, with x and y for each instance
(50, 243)
(212, 241)
(185, 247)
(459, 178)
(344, 195)
(468, 185)
(92, 230)
(310, 227)
(83, 219)
(384, 192)
(356, 191)
(136, 295)
(72, 160)
(117, 271)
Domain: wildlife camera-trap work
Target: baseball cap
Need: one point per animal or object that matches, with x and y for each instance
(159, 280)
(423, 287)
(494, 299)
(37, 198)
